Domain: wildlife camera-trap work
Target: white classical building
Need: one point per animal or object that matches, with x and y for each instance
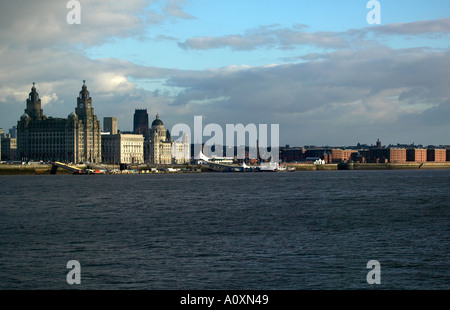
(122, 148)
(160, 144)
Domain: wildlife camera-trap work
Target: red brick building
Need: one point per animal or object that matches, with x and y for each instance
(416, 155)
(397, 155)
(388, 155)
(437, 155)
(339, 155)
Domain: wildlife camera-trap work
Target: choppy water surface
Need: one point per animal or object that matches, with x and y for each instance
(302, 230)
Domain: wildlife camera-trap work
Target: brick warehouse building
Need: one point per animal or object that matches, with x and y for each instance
(437, 155)
(391, 155)
(397, 156)
(416, 155)
(339, 155)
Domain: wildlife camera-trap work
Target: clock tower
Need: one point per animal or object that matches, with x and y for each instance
(87, 129)
(84, 108)
(34, 109)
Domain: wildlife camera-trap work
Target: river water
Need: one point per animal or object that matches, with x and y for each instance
(281, 231)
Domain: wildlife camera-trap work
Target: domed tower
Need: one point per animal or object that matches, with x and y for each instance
(34, 110)
(158, 130)
(160, 146)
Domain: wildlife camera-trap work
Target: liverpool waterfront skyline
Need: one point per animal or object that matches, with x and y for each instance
(141, 125)
(318, 69)
(210, 137)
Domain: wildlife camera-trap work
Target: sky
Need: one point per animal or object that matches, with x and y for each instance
(316, 68)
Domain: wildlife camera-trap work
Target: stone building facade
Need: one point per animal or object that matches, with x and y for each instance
(75, 139)
(123, 148)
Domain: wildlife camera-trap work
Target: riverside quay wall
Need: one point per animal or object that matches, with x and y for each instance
(370, 166)
(393, 166)
(7, 169)
(46, 169)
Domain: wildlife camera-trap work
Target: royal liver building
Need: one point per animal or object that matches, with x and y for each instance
(74, 139)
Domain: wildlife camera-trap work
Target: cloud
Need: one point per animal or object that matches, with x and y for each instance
(328, 100)
(268, 37)
(162, 37)
(273, 36)
(49, 98)
(340, 94)
(58, 75)
(438, 26)
(43, 24)
(174, 9)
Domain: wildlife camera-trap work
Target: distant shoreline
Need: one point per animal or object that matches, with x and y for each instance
(6, 169)
(371, 166)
